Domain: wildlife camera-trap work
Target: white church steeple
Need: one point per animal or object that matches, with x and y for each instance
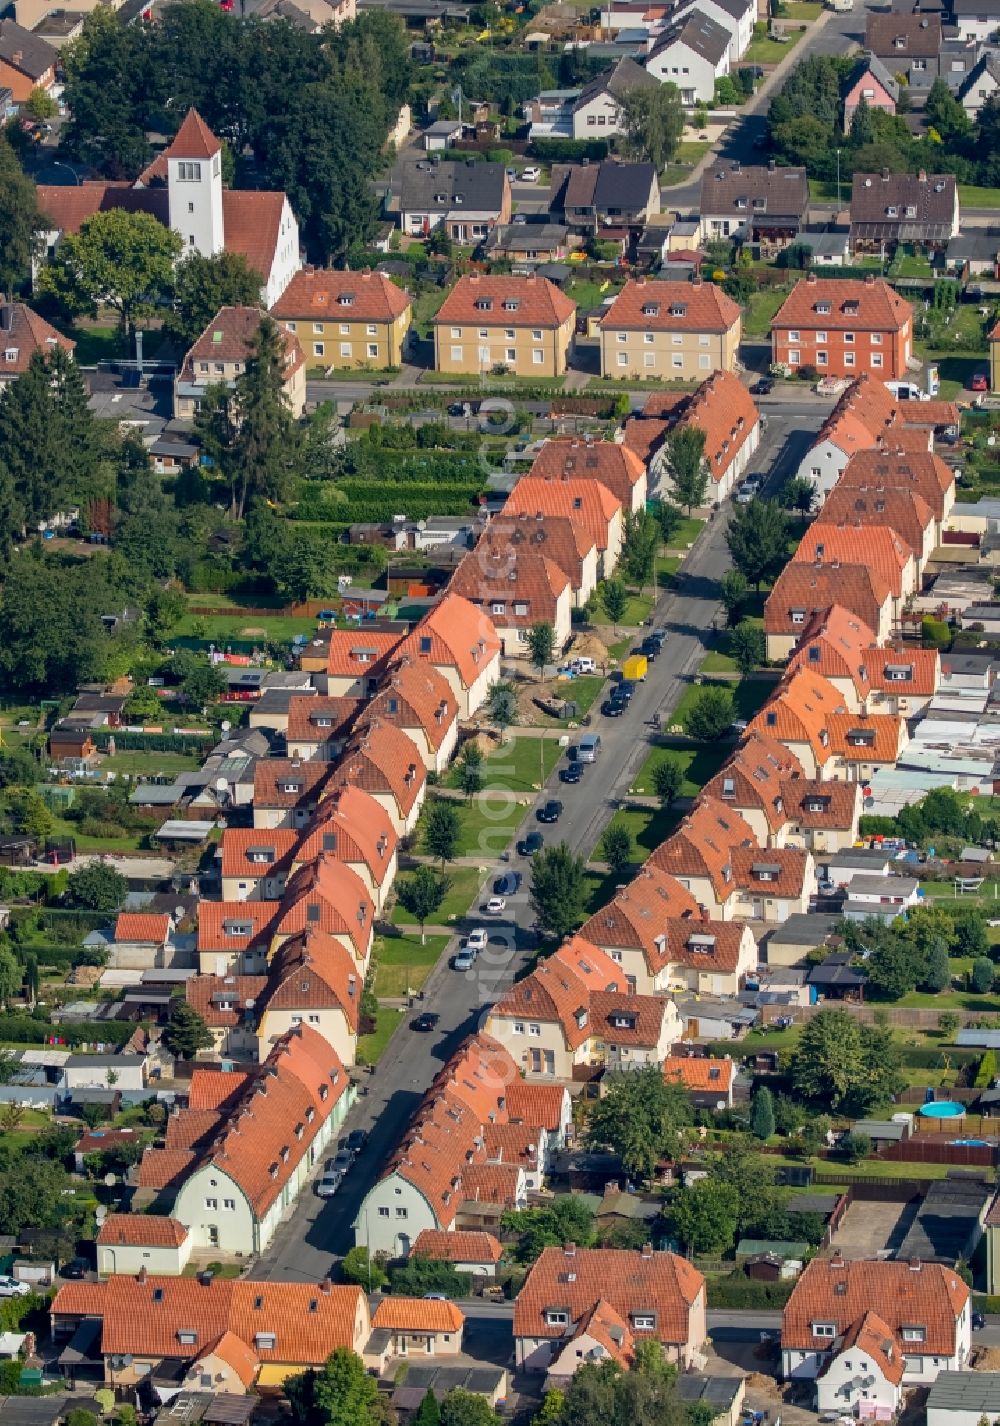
(194, 186)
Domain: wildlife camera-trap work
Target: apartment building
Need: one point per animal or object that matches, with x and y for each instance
(345, 319)
(521, 325)
(670, 331)
(843, 327)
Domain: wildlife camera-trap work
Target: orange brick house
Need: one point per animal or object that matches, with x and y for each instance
(843, 327)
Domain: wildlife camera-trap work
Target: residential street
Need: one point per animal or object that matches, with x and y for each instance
(318, 1229)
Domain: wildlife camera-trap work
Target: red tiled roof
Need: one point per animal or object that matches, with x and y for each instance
(811, 802)
(239, 843)
(586, 501)
(564, 541)
(559, 989)
(786, 867)
(539, 302)
(142, 926)
(876, 546)
(798, 711)
(141, 1317)
(634, 917)
(723, 408)
(230, 337)
(165, 1168)
(414, 695)
(418, 1314)
(460, 1247)
(883, 728)
(194, 139)
(924, 670)
(26, 333)
(317, 293)
(236, 1355)
(313, 971)
(632, 1282)
(359, 653)
(327, 895)
(831, 1290)
(806, 589)
(929, 413)
(703, 845)
(752, 776)
(454, 634)
(624, 1018)
(352, 826)
(701, 945)
(644, 436)
(513, 574)
(918, 471)
(904, 511)
(700, 1074)
(382, 758)
(540, 1105)
(67, 208)
(319, 720)
(210, 1090)
(492, 1183)
(141, 1230)
(879, 308)
(252, 224)
(221, 923)
(274, 776)
(873, 1337)
(836, 644)
(209, 993)
(671, 307)
(613, 465)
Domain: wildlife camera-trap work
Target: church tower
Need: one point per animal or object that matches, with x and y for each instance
(194, 186)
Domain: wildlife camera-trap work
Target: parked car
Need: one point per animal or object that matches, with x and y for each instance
(978, 1321)
(426, 1021)
(519, 220)
(355, 1140)
(531, 174)
(583, 665)
(979, 382)
(572, 772)
(465, 959)
(763, 387)
(613, 708)
(532, 843)
(496, 906)
(650, 647)
(551, 812)
(749, 489)
(507, 884)
(342, 1161)
(76, 1268)
(326, 1186)
(476, 940)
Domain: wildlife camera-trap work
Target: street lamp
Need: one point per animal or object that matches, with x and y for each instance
(58, 163)
(838, 180)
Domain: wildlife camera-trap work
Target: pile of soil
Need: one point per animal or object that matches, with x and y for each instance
(588, 646)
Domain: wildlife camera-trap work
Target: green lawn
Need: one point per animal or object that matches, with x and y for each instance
(487, 824)
(647, 826)
(686, 533)
(151, 762)
(105, 343)
(691, 150)
(801, 10)
(126, 842)
(763, 306)
(637, 608)
(972, 197)
(910, 265)
(771, 51)
(520, 764)
(666, 568)
(599, 888)
(749, 696)
(700, 763)
(988, 893)
(404, 964)
(717, 662)
(372, 1047)
(425, 307)
(464, 885)
(587, 293)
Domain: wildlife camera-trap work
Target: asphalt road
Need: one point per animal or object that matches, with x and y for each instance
(318, 1230)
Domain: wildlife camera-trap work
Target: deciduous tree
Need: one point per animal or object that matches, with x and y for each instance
(705, 1216)
(421, 894)
(758, 540)
(687, 466)
(616, 847)
(614, 597)
(20, 222)
(557, 888)
(748, 646)
(710, 714)
(98, 887)
(204, 284)
(442, 831)
(668, 778)
(733, 591)
(653, 121)
(541, 643)
(501, 707)
(641, 1118)
(122, 259)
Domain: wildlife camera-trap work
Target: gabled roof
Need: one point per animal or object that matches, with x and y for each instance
(624, 1018)
(25, 51)
(898, 37)
(754, 191)
(588, 502)
(575, 1279)
(559, 989)
(671, 307)
(905, 511)
(835, 643)
(312, 970)
(141, 1230)
(702, 945)
(353, 826)
(244, 847)
(565, 542)
(234, 925)
(919, 471)
(633, 919)
(827, 542)
(865, 738)
(222, 1001)
(360, 653)
(871, 64)
(811, 802)
(870, 1335)
(618, 80)
(723, 408)
(752, 777)
(414, 695)
(230, 336)
(539, 1105)
(798, 711)
(429, 186)
(487, 300)
(703, 36)
(288, 782)
(700, 1073)
(454, 634)
(907, 670)
(144, 927)
(458, 1247)
(868, 305)
(612, 464)
(315, 294)
(881, 201)
(703, 844)
(831, 1290)
(315, 719)
(602, 1324)
(515, 575)
(778, 871)
(383, 759)
(22, 333)
(418, 1314)
(801, 590)
(328, 896)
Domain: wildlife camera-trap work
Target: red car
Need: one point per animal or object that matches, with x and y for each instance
(980, 382)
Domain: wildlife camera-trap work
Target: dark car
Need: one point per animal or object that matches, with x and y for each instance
(533, 842)
(650, 647)
(978, 1321)
(75, 1268)
(551, 812)
(613, 707)
(625, 690)
(763, 387)
(572, 772)
(426, 1022)
(507, 884)
(355, 1140)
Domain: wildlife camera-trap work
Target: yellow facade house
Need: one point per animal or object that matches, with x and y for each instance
(523, 325)
(345, 319)
(680, 331)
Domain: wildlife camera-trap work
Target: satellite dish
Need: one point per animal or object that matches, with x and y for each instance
(225, 725)
(100, 1213)
(221, 784)
(178, 913)
(110, 1180)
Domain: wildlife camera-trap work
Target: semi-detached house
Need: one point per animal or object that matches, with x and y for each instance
(921, 472)
(803, 589)
(892, 208)
(461, 643)
(568, 543)
(843, 327)
(751, 782)
(669, 330)
(587, 502)
(692, 52)
(353, 827)
(518, 586)
(419, 700)
(737, 17)
(754, 203)
(612, 464)
(831, 542)
(700, 854)
(318, 727)
(873, 505)
(796, 715)
(385, 762)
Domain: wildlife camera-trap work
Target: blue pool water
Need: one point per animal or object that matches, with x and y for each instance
(969, 1143)
(943, 1109)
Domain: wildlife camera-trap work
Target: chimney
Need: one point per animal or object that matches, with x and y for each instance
(914, 1265)
(811, 278)
(885, 175)
(647, 1250)
(326, 1287)
(206, 1279)
(771, 166)
(141, 1275)
(570, 1250)
(704, 913)
(837, 1261)
(870, 279)
(922, 176)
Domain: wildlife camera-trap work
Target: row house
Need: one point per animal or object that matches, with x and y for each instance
(865, 413)
(565, 542)
(319, 727)
(607, 197)
(287, 791)
(675, 954)
(255, 862)
(588, 503)
(723, 408)
(385, 762)
(869, 678)
(699, 855)
(243, 1149)
(574, 1010)
(903, 510)
(606, 461)
(754, 204)
(878, 546)
(352, 662)
(179, 1332)
(797, 714)
(327, 895)
(418, 699)
(461, 643)
(892, 208)
(804, 589)
(773, 884)
(843, 327)
(518, 586)
(680, 331)
(862, 743)
(351, 826)
(893, 468)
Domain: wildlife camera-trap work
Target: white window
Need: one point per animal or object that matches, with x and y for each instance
(373, 349)
(456, 353)
(623, 358)
(402, 1212)
(536, 336)
(848, 339)
(313, 1019)
(518, 1027)
(345, 329)
(535, 1030)
(794, 337)
(229, 1204)
(821, 338)
(211, 1204)
(538, 356)
(511, 354)
(372, 329)
(509, 333)
(318, 328)
(291, 326)
(456, 332)
(189, 172)
(677, 362)
(621, 338)
(12, 353)
(383, 1213)
(296, 1019)
(677, 339)
(794, 358)
(520, 609)
(265, 1341)
(821, 359)
(648, 338)
(644, 1322)
(557, 1319)
(345, 349)
(848, 358)
(876, 361)
(705, 361)
(824, 1329)
(319, 348)
(649, 360)
(484, 335)
(704, 341)
(876, 339)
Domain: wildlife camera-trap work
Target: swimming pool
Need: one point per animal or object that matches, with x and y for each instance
(969, 1143)
(943, 1109)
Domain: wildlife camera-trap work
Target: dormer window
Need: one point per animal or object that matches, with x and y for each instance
(651, 309)
(741, 202)
(511, 304)
(484, 304)
(824, 1329)
(556, 1317)
(187, 1338)
(760, 204)
(892, 211)
(911, 211)
(292, 787)
(346, 299)
(823, 308)
(678, 309)
(237, 928)
(914, 1334)
(728, 787)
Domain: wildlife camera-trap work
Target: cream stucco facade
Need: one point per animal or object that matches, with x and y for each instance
(628, 353)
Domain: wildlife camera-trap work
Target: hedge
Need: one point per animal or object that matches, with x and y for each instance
(987, 1070)
(26, 1030)
(397, 501)
(153, 742)
(738, 1293)
(568, 150)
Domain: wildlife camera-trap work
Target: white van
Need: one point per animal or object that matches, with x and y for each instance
(590, 746)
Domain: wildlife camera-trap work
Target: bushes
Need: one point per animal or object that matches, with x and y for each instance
(987, 1070)
(935, 633)
(568, 150)
(418, 1276)
(742, 1293)
(26, 1030)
